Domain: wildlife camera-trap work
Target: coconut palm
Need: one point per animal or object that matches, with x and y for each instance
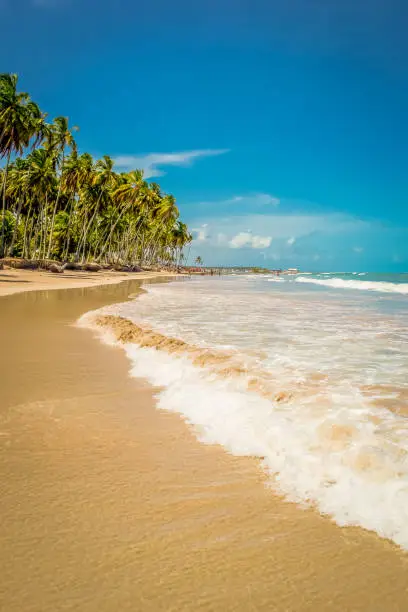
(16, 191)
(127, 195)
(41, 183)
(181, 238)
(59, 138)
(76, 173)
(57, 202)
(20, 121)
(97, 192)
(165, 215)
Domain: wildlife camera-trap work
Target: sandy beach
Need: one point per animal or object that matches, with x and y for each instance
(110, 504)
(19, 280)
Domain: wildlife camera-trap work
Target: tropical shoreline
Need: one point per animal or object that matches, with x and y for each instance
(101, 489)
(17, 281)
(57, 203)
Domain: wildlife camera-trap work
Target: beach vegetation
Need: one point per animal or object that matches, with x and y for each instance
(58, 203)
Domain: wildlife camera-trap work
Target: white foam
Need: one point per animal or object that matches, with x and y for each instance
(322, 447)
(340, 283)
(304, 465)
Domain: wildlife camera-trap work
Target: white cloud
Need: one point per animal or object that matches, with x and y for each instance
(250, 200)
(240, 240)
(296, 239)
(261, 242)
(288, 239)
(201, 232)
(358, 249)
(283, 227)
(246, 239)
(222, 238)
(152, 163)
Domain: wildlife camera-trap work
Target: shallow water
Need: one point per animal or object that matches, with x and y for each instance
(309, 378)
(110, 504)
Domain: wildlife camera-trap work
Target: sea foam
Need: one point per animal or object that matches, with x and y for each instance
(331, 460)
(327, 444)
(340, 283)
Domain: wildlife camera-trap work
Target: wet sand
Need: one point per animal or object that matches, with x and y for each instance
(109, 504)
(20, 280)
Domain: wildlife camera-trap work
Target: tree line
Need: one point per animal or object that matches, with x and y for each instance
(58, 203)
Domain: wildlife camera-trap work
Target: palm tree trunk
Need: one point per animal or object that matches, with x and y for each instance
(3, 220)
(122, 212)
(13, 239)
(31, 232)
(71, 205)
(160, 226)
(44, 229)
(82, 241)
(143, 251)
(28, 224)
(188, 253)
(37, 236)
(55, 208)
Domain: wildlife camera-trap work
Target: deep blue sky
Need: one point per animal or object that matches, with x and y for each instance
(288, 118)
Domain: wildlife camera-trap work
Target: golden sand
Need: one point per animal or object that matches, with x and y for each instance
(108, 504)
(20, 280)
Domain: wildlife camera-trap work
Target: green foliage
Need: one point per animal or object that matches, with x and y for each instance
(256, 270)
(62, 204)
(59, 234)
(20, 118)
(7, 222)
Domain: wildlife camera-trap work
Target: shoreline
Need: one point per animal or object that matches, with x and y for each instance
(109, 503)
(14, 280)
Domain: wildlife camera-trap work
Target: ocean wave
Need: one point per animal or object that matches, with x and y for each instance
(340, 283)
(331, 456)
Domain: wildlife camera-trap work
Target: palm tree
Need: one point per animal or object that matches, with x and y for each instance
(20, 121)
(56, 202)
(97, 190)
(198, 261)
(60, 137)
(182, 238)
(165, 215)
(76, 173)
(41, 183)
(16, 190)
(127, 195)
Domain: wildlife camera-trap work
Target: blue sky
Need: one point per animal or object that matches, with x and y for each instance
(280, 126)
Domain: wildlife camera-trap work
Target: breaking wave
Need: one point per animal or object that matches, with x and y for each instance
(340, 283)
(329, 447)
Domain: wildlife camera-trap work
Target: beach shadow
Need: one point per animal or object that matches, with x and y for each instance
(12, 280)
(92, 275)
